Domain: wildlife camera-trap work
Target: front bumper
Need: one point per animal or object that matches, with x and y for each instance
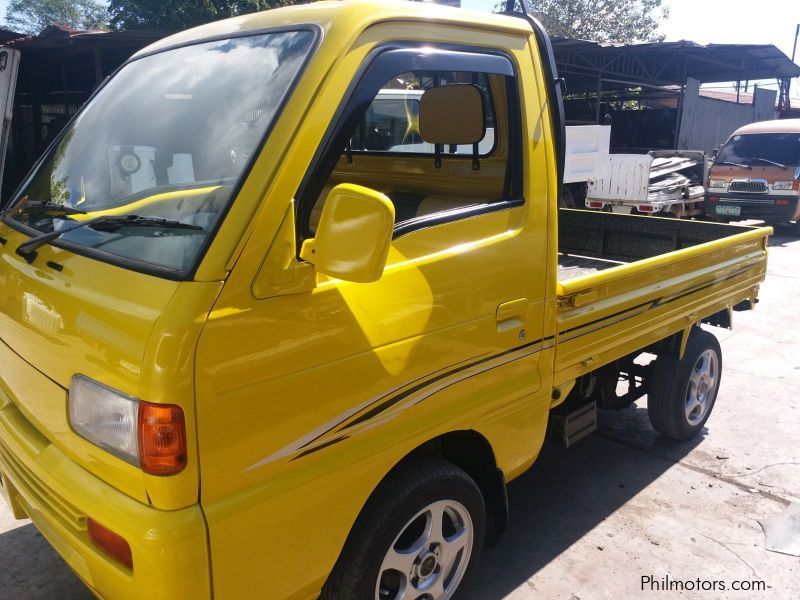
(170, 549)
(751, 206)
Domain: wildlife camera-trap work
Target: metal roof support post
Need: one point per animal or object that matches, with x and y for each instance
(679, 118)
(98, 67)
(599, 93)
(64, 93)
(784, 102)
(37, 98)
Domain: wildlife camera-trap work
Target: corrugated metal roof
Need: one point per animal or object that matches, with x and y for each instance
(59, 36)
(670, 63)
(6, 35)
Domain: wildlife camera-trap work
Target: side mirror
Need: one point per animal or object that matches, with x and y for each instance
(353, 236)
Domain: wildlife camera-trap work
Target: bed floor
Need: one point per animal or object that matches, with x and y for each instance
(573, 265)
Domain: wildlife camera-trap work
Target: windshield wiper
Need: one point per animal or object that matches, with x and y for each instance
(107, 223)
(771, 162)
(733, 164)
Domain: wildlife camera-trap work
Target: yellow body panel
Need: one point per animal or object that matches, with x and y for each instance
(169, 548)
(301, 392)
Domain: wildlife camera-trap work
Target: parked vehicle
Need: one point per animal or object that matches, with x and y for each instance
(242, 357)
(667, 183)
(756, 174)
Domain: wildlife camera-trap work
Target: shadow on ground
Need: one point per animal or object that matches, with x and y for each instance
(568, 492)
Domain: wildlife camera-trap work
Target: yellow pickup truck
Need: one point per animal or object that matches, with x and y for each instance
(263, 337)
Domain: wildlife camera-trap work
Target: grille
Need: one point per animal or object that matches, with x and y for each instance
(757, 186)
(44, 495)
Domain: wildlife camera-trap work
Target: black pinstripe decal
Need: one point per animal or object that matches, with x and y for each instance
(384, 403)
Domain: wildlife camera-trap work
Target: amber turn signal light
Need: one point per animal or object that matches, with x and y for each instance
(162, 438)
(111, 543)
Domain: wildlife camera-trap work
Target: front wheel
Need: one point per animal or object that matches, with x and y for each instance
(682, 392)
(418, 538)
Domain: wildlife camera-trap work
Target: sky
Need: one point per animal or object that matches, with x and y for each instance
(711, 21)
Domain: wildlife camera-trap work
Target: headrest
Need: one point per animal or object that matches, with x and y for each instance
(452, 114)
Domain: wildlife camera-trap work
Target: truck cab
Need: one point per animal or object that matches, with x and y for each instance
(756, 174)
(254, 347)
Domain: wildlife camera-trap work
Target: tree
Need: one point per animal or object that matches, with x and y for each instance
(31, 16)
(175, 15)
(621, 21)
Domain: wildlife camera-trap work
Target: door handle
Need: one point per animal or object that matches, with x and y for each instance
(511, 314)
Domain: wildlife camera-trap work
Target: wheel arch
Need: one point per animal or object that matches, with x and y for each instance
(472, 452)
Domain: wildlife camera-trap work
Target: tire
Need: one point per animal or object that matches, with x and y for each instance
(675, 384)
(391, 531)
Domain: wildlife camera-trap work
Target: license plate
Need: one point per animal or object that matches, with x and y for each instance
(731, 211)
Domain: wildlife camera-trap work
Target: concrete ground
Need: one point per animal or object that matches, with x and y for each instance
(592, 521)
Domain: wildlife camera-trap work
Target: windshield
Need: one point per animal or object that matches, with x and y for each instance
(169, 136)
(762, 149)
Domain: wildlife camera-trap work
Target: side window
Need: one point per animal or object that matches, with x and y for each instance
(392, 120)
(441, 142)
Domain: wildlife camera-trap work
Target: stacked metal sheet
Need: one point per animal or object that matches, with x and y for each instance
(675, 178)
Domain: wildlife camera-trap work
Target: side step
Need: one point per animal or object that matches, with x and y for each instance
(569, 427)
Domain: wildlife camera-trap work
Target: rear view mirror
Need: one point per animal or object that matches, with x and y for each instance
(353, 235)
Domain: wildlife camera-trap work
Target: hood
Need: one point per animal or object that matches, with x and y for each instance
(768, 172)
(66, 314)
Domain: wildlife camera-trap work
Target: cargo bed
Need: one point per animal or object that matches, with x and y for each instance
(625, 282)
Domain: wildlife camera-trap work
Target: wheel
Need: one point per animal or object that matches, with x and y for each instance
(418, 538)
(682, 392)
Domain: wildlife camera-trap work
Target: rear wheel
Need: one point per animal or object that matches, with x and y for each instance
(418, 538)
(682, 392)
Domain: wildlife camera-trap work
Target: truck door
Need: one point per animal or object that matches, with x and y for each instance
(309, 395)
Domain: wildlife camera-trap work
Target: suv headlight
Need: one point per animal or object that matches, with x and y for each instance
(782, 185)
(147, 435)
(716, 183)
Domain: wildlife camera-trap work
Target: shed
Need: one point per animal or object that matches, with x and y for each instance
(58, 71)
(651, 91)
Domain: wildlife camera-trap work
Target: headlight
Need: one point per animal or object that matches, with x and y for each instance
(147, 435)
(716, 183)
(105, 417)
(782, 185)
